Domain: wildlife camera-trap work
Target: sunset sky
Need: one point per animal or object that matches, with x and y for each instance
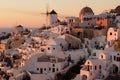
(27, 12)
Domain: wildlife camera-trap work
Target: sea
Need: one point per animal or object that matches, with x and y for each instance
(6, 30)
(9, 30)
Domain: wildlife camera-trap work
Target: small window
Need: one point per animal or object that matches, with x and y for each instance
(114, 57)
(42, 50)
(44, 69)
(94, 54)
(99, 66)
(53, 70)
(53, 65)
(48, 48)
(53, 48)
(49, 69)
(117, 58)
(57, 69)
(118, 54)
(102, 56)
(110, 33)
(37, 69)
(95, 67)
(95, 42)
(60, 44)
(88, 62)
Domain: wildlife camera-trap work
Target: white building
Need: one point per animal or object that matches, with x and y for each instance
(54, 44)
(112, 35)
(73, 21)
(98, 42)
(99, 67)
(91, 69)
(45, 64)
(53, 19)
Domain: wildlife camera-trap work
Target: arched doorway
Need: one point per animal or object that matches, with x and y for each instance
(84, 77)
(115, 69)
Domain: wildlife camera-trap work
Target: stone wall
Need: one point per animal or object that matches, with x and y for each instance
(73, 42)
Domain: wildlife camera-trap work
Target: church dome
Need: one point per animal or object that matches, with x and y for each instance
(19, 26)
(86, 10)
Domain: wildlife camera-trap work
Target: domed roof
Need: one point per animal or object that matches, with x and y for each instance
(117, 9)
(86, 10)
(19, 26)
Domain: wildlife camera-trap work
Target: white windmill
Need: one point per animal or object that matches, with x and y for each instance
(51, 17)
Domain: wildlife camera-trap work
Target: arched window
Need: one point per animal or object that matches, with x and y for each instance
(102, 56)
